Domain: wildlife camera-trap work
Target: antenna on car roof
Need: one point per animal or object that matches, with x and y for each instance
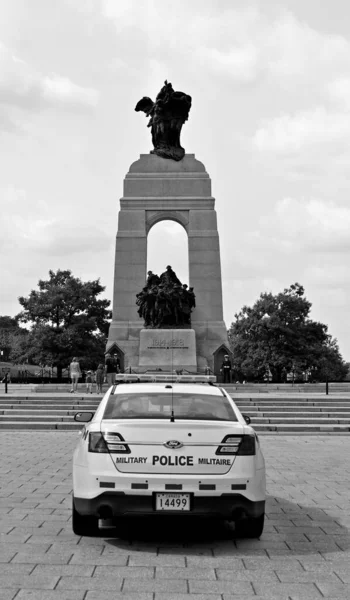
(172, 416)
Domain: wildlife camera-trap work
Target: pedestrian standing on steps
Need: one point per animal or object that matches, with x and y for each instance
(111, 368)
(74, 373)
(100, 376)
(88, 381)
(226, 369)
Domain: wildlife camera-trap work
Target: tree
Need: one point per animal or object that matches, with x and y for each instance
(67, 319)
(10, 335)
(277, 334)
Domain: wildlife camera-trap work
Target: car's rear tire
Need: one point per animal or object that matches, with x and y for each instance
(250, 527)
(83, 524)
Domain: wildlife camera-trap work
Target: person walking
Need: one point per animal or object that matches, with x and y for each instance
(88, 381)
(100, 375)
(74, 373)
(226, 369)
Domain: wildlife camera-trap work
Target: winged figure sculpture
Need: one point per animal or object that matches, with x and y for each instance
(167, 115)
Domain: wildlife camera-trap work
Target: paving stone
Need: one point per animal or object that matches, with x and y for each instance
(187, 573)
(254, 597)
(254, 575)
(100, 561)
(67, 570)
(49, 595)
(268, 564)
(154, 585)
(144, 560)
(330, 590)
(137, 572)
(19, 569)
(49, 558)
(216, 562)
(8, 594)
(119, 596)
(302, 591)
(91, 583)
(162, 596)
(220, 587)
(307, 577)
(43, 582)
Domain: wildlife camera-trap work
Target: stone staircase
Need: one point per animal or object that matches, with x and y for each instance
(272, 411)
(40, 411)
(327, 414)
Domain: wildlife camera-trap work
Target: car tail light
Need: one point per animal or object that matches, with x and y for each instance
(238, 445)
(113, 443)
(247, 446)
(97, 443)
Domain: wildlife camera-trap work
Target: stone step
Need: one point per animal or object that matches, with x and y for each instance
(14, 410)
(45, 425)
(30, 418)
(293, 409)
(303, 428)
(300, 421)
(50, 401)
(284, 402)
(299, 415)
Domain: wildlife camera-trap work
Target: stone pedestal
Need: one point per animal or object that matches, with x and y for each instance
(167, 349)
(157, 189)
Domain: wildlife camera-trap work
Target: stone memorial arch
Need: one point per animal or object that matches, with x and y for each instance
(157, 189)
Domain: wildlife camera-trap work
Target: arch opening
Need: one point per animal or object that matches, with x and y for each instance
(167, 244)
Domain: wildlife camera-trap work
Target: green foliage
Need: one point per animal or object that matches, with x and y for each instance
(11, 337)
(277, 333)
(67, 319)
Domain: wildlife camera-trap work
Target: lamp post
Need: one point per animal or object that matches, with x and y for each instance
(265, 319)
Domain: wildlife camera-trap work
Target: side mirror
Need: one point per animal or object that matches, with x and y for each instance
(83, 417)
(247, 419)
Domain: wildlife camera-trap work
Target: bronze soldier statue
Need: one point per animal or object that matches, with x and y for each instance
(164, 301)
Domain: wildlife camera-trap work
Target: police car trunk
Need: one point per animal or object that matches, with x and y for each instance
(175, 448)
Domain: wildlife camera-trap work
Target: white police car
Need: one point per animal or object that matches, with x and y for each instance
(168, 449)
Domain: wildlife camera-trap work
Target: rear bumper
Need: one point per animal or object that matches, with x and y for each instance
(116, 504)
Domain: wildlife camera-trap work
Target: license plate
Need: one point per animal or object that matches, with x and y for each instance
(165, 501)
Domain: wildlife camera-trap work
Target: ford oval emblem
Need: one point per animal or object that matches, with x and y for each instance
(173, 444)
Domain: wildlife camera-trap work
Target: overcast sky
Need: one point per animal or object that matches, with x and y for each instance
(270, 119)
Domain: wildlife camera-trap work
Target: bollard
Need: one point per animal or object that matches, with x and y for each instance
(326, 386)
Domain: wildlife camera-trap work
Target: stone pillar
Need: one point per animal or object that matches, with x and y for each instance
(157, 189)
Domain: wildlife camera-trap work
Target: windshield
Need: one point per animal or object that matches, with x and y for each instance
(201, 407)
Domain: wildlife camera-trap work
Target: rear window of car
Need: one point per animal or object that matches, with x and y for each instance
(198, 407)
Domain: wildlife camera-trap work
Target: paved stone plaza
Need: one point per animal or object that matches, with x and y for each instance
(303, 553)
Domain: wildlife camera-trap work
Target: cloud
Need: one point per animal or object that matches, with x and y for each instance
(29, 227)
(240, 42)
(23, 87)
(315, 225)
(291, 133)
(241, 62)
(339, 92)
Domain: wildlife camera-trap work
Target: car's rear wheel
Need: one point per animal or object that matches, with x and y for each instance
(250, 527)
(83, 524)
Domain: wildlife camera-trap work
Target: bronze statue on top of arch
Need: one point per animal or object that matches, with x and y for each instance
(165, 302)
(167, 115)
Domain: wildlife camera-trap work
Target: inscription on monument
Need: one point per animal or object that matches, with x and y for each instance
(178, 343)
(168, 349)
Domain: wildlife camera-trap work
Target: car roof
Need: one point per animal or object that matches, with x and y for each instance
(168, 388)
